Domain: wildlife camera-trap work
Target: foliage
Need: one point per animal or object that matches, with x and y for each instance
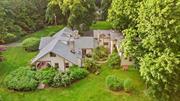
(114, 60)
(21, 16)
(100, 53)
(31, 44)
(78, 14)
(105, 5)
(158, 29)
(64, 79)
(123, 13)
(113, 83)
(22, 79)
(10, 38)
(77, 73)
(91, 65)
(57, 80)
(153, 41)
(46, 75)
(128, 86)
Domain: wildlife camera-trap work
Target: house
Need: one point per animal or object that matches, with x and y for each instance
(67, 47)
(64, 49)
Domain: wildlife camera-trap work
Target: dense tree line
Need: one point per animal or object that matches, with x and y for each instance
(19, 17)
(151, 31)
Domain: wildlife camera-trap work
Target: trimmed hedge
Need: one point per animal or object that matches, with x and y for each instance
(46, 76)
(114, 60)
(22, 79)
(128, 86)
(77, 73)
(113, 83)
(91, 65)
(100, 53)
(31, 44)
(64, 79)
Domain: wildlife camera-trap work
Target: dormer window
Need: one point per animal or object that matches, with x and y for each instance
(52, 54)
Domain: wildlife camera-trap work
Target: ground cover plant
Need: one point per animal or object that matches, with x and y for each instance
(31, 44)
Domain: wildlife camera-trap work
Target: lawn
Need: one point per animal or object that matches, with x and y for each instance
(92, 88)
(47, 31)
(103, 25)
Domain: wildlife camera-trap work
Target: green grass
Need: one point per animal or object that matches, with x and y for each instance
(93, 88)
(103, 25)
(47, 31)
(15, 57)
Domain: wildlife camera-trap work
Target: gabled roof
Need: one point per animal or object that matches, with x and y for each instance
(85, 42)
(44, 41)
(114, 34)
(65, 32)
(59, 49)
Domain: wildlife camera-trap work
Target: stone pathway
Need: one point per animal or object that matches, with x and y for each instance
(14, 44)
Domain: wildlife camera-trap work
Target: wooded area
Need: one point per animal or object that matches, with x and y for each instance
(151, 30)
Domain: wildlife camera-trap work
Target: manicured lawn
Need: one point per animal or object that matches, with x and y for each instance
(92, 88)
(47, 31)
(103, 25)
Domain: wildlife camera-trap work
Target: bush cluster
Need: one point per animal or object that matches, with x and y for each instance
(64, 79)
(22, 79)
(115, 84)
(25, 79)
(31, 44)
(100, 53)
(114, 60)
(45, 76)
(91, 65)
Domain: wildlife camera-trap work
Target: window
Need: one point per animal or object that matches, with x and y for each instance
(130, 59)
(66, 65)
(106, 43)
(125, 58)
(52, 54)
(56, 65)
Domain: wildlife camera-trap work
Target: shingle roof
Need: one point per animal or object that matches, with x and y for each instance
(44, 41)
(112, 33)
(54, 46)
(85, 42)
(65, 32)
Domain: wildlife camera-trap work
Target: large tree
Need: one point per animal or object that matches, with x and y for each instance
(77, 14)
(123, 13)
(158, 29)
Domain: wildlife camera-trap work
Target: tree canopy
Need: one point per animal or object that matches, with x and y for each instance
(151, 31)
(77, 14)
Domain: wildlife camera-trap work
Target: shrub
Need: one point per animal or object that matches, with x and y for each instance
(65, 80)
(100, 53)
(10, 38)
(113, 83)
(57, 80)
(77, 73)
(114, 60)
(46, 76)
(22, 79)
(31, 44)
(128, 85)
(91, 65)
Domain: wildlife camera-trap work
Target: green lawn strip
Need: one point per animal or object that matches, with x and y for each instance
(101, 25)
(15, 58)
(92, 88)
(47, 31)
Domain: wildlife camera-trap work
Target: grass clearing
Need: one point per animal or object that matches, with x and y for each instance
(101, 25)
